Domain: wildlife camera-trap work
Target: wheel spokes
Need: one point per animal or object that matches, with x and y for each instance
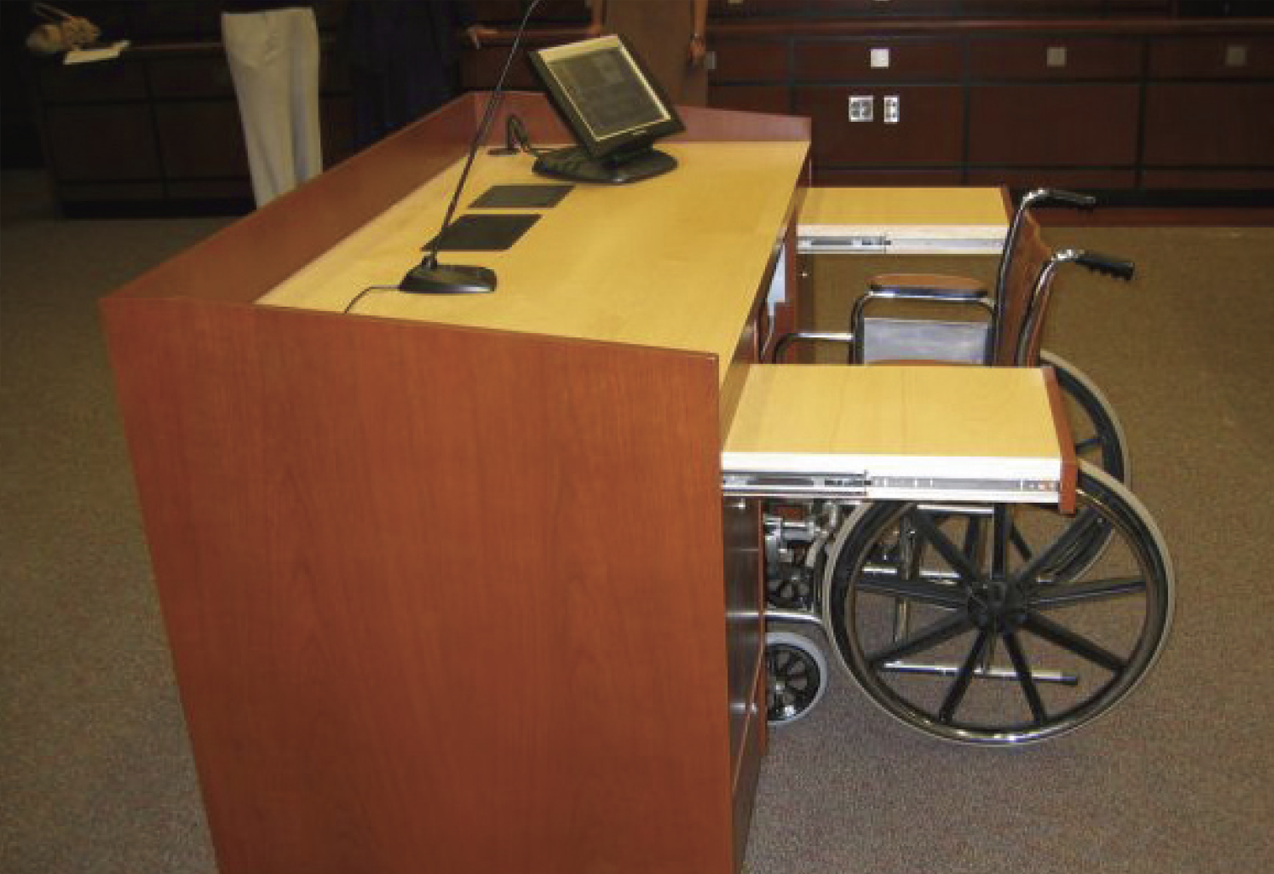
(933, 635)
(1047, 629)
(920, 591)
(1071, 594)
(959, 562)
(1025, 678)
(961, 684)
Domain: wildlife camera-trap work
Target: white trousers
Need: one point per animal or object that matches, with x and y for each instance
(274, 61)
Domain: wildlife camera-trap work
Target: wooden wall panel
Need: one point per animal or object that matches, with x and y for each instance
(750, 98)
(1237, 56)
(739, 60)
(1054, 177)
(1215, 124)
(1054, 124)
(1064, 56)
(931, 130)
(909, 60)
(96, 143)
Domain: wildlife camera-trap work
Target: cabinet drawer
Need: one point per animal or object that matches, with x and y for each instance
(1237, 57)
(1055, 58)
(882, 60)
(750, 61)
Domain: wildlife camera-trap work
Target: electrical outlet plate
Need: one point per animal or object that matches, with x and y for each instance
(862, 108)
(890, 109)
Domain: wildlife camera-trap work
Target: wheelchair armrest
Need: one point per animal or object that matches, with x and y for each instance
(780, 346)
(926, 286)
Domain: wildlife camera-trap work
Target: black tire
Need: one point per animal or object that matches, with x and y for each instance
(1105, 623)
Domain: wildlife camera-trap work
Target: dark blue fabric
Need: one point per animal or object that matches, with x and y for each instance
(402, 60)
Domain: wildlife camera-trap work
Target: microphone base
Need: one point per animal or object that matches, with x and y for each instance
(448, 279)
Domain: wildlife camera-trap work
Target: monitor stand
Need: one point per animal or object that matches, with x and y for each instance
(576, 165)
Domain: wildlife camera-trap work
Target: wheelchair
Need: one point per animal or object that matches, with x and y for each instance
(988, 624)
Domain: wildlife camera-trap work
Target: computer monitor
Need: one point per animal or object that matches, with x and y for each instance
(615, 109)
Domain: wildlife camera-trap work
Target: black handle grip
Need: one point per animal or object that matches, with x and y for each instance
(1120, 268)
(1067, 198)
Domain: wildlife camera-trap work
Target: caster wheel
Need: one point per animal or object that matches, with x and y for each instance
(796, 676)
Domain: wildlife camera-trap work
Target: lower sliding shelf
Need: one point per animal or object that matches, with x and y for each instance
(931, 433)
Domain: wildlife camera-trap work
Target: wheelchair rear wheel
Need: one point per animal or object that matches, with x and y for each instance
(975, 639)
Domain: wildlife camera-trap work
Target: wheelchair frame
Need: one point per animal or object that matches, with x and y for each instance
(831, 557)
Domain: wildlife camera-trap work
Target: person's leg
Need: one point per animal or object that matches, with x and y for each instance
(303, 56)
(258, 65)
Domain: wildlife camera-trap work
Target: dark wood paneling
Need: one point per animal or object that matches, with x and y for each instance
(886, 178)
(91, 82)
(930, 130)
(201, 139)
(750, 98)
(1051, 177)
(102, 143)
(1209, 124)
(1195, 180)
(1053, 124)
(1236, 56)
(750, 61)
(1060, 57)
(909, 60)
(481, 69)
(204, 76)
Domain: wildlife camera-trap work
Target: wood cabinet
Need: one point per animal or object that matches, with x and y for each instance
(1141, 110)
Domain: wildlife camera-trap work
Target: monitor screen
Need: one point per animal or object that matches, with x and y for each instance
(605, 95)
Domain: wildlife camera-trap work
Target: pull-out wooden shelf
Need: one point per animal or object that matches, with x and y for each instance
(899, 433)
(903, 221)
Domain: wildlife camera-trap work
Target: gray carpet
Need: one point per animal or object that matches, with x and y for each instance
(95, 770)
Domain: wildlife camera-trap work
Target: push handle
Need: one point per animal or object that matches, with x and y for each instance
(1058, 197)
(1120, 268)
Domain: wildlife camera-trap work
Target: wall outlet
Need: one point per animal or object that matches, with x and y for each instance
(890, 109)
(880, 59)
(862, 108)
(1055, 56)
(1236, 56)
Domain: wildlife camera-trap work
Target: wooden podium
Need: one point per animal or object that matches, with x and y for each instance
(449, 583)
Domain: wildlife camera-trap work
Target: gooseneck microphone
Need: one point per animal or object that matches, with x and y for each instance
(430, 277)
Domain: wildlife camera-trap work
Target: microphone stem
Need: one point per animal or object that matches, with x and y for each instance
(480, 134)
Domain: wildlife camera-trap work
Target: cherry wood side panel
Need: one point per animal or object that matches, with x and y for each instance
(438, 599)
